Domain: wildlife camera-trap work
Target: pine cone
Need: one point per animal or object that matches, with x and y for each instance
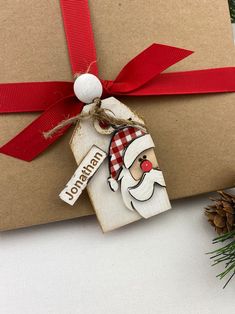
(221, 214)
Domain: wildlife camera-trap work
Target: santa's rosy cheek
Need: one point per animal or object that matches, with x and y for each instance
(146, 165)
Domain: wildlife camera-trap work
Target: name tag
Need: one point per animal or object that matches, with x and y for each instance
(85, 171)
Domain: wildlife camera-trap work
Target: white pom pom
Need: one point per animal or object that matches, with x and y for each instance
(113, 184)
(87, 87)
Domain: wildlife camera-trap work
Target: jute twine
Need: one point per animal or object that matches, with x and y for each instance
(96, 113)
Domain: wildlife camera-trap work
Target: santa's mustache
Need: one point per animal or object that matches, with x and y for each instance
(145, 187)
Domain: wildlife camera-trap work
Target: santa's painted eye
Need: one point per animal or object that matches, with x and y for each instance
(144, 156)
(140, 159)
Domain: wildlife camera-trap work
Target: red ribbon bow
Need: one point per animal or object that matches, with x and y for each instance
(142, 76)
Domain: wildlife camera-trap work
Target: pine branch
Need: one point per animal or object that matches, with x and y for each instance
(225, 254)
(232, 10)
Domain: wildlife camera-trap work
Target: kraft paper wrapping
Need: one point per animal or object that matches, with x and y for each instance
(194, 135)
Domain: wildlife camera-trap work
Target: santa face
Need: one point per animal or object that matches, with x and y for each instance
(133, 168)
(141, 182)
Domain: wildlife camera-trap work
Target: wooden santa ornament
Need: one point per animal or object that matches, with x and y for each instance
(124, 181)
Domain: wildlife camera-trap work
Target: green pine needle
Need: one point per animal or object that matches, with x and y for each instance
(232, 10)
(225, 254)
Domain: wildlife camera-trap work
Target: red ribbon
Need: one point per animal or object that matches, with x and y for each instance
(142, 76)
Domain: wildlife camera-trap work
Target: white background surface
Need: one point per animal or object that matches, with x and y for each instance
(156, 266)
(150, 267)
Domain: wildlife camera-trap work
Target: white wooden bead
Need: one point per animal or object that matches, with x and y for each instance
(87, 87)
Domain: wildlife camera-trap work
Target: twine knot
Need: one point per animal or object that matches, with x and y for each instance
(102, 115)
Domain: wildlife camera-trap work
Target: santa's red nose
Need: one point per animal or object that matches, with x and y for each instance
(146, 165)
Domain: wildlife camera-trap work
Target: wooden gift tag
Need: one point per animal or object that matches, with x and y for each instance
(128, 185)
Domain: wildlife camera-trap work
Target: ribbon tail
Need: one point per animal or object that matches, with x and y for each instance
(30, 142)
(144, 67)
(31, 97)
(220, 80)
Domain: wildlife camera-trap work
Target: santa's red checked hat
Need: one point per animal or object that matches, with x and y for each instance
(126, 144)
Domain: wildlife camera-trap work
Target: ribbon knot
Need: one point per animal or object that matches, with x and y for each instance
(107, 87)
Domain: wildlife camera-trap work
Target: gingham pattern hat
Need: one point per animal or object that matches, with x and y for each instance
(120, 140)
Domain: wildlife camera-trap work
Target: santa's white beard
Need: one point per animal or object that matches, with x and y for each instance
(148, 196)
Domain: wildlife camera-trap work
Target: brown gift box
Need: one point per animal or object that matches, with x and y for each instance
(195, 135)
